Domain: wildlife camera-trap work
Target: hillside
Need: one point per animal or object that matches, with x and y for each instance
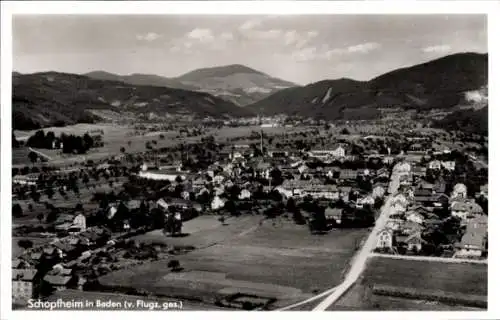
(437, 84)
(468, 120)
(50, 98)
(235, 83)
(140, 79)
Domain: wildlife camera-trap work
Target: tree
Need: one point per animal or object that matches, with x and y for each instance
(222, 219)
(298, 217)
(40, 217)
(49, 192)
(344, 131)
(17, 211)
(122, 149)
(318, 222)
(174, 265)
(25, 243)
(33, 156)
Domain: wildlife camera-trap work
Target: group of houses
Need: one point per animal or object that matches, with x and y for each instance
(415, 206)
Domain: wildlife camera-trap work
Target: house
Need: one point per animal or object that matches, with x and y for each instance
(185, 195)
(80, 222)
(421, 210)
(483, 191)
(58, 282)
(219, 179)
(303, 169)
(395, 221)
(162, 204)
(440, 200)
(218, 191)
(439, 187)
(460, 209)
(133, 205)
(415, 217)
(413, 242)
(402, 167)
(20, 264)
(416, 148)
(388, 160)
(336, 152)
(198, 183)
(378, 192)
(276, 153)
(29, 179)
(344, 191)
(368, 200)
(385, 239)
(382, 172)
(448, 165)
(23, 284)
(319, 190)
(474, 241)
(459, 191)
(285, 192)
(410, 227)
(111, 211)
(217, 203)
(419, 171)
(244, 194)
(334, 215)
(347, 174)
(166, 175)
(434, 165)
(401, 199)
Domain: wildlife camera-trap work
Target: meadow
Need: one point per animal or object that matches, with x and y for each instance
(282, 261)
(417, 285)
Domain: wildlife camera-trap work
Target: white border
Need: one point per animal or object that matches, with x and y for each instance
(240, 7)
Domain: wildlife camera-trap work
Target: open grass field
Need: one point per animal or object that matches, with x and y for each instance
(360, 298)
(283, 261)
(460, 277)
(453, 280)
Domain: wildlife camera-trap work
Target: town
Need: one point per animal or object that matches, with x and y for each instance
(78, 224)
(260, 162)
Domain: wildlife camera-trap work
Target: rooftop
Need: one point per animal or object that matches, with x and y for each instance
(23, 274)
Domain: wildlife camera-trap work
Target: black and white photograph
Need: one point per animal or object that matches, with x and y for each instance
(247, 162)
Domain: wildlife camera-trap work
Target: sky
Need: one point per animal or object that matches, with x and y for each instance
(302, 49)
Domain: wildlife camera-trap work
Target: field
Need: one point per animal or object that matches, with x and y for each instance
(281, 261)
(431, 275)
(460, 280)
(118, 136)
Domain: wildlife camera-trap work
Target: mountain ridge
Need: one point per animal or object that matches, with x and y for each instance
(236, 83)
(54, 98)
(437, 84)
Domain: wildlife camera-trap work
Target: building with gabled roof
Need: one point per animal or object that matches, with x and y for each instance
(23, 284)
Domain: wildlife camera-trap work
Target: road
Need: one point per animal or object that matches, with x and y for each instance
(360, 260)
(425, 258)
(41, 154)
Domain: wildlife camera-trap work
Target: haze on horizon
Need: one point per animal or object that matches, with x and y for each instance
(301, 49)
